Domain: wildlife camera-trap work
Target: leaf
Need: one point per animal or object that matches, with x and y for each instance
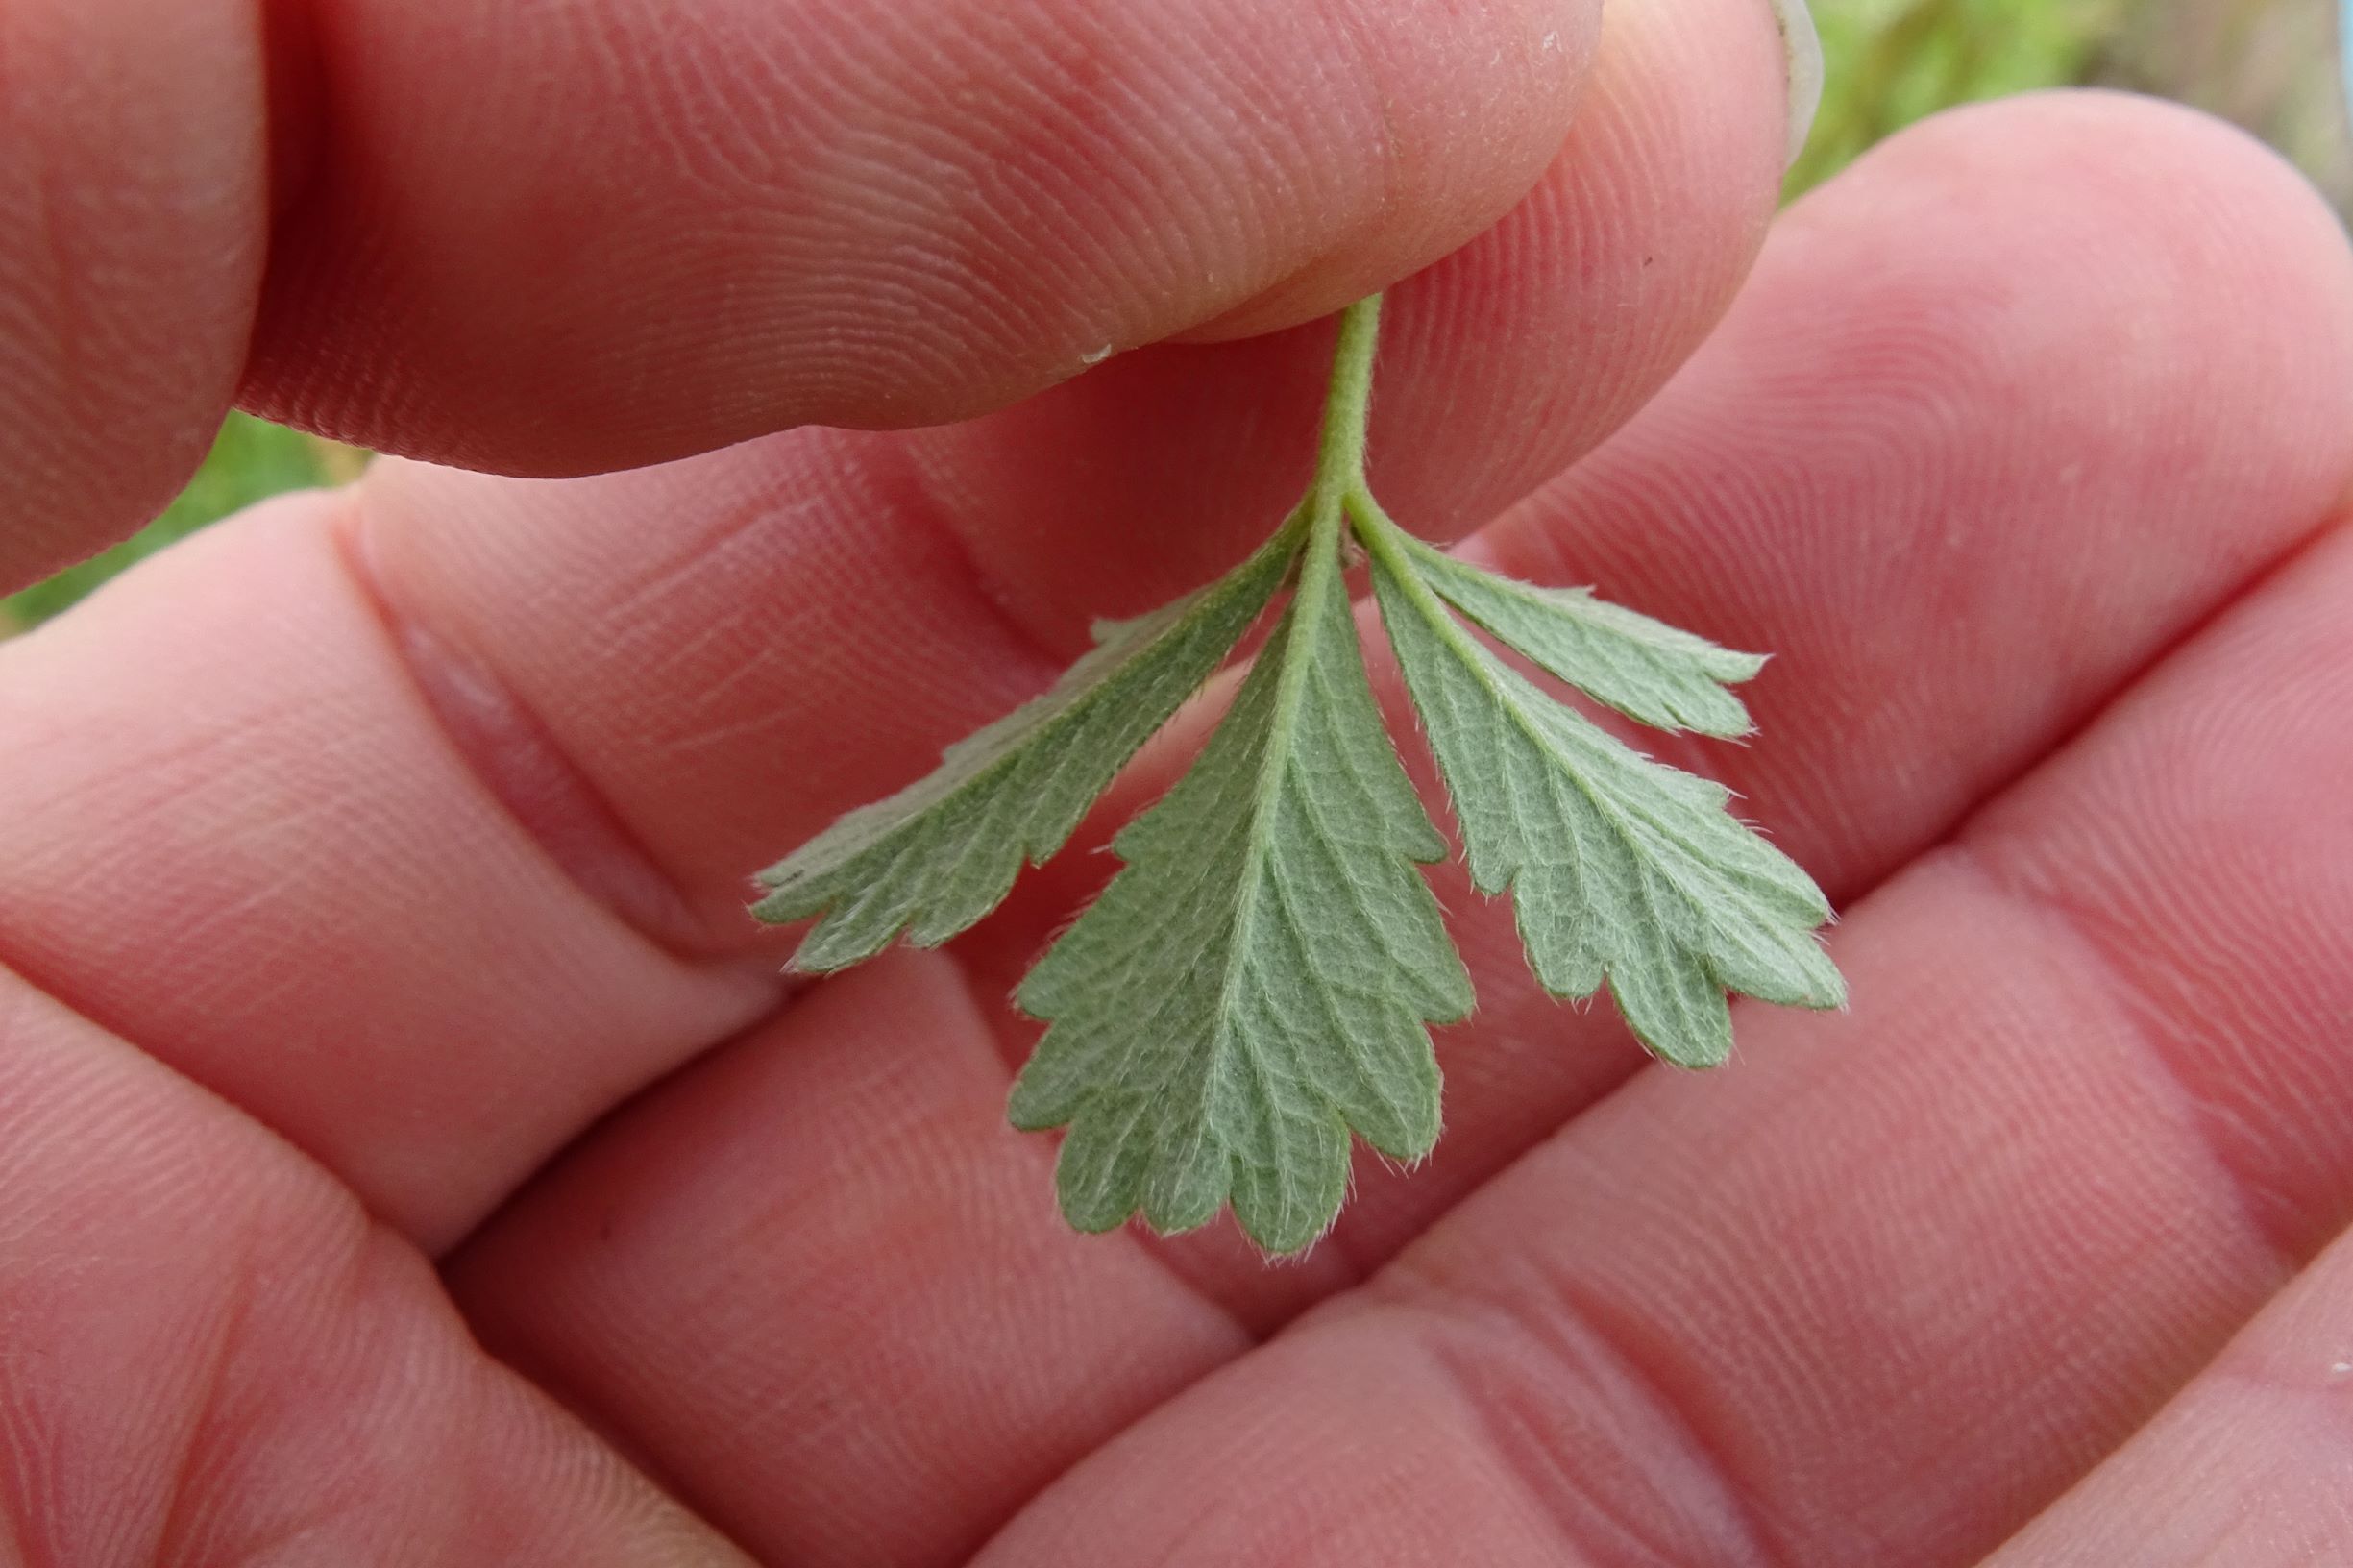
(1254, 982)
(1259, 980)
(1647, 670)
(934, 858)
(1622, 869)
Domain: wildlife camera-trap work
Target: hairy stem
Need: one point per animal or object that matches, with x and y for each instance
(1339, 462)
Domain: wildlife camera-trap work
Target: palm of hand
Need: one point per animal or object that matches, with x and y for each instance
(423, 810)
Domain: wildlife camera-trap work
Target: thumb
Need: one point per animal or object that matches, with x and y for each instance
(561, 238)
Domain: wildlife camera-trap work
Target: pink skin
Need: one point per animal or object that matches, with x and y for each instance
(375, 1191)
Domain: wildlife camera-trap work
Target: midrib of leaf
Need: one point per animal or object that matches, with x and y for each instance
(1380, 537)
(1340, 474)
(1318, 573)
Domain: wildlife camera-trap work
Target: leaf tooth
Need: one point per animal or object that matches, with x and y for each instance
(1184, 1193)
(1747, 860)
(1099, 1174)
(858, 925)
(1676, 1009)
(1188, 1164)
(1774, 963)
(1289, 1179)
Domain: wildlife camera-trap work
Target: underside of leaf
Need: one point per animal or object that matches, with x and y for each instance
(1621, 869)
(1649, 670)
(1256, 981)
(934, 858)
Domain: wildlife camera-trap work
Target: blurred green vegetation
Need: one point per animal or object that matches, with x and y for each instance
(1893, 62)
(1890, 63)
(250, 460)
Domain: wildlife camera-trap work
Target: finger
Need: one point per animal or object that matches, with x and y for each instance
(659, 682)
(1498, 367)
(235, 828)
(1890, 1288)
(676, 669)
(132, 201)
(591, 240)
(214, 1357)
(887, 1239)
(2244, 1466)
(560, 241)
(576, 1313)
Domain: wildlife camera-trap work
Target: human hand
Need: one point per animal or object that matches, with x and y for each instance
(372, 864)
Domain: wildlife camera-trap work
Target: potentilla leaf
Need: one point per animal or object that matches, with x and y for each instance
(1649, 670)
(1256, 981)
(934, 858)
(1621, 869)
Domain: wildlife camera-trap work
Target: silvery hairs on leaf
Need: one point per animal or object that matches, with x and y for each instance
(1256, 981)
(934, 858)
(1621, 869)
(1645, 668)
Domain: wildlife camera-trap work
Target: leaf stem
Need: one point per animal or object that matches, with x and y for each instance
(1339, 461)
(1392, 547)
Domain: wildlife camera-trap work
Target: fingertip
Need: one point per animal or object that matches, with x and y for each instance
(2229, 256)
(860, 214)
(1466, 122)
(2114, 143)
(131, 210)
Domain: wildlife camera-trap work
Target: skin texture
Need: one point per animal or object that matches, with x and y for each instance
(413, 1157)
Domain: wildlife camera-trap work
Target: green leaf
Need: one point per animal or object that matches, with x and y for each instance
(934, 858)
(1622, 869)
(1254, 982)
(1645, 668)
(1259, 980)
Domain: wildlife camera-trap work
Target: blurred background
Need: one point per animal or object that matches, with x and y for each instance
(2272, 65)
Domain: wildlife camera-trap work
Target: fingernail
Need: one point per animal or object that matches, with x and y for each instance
(1801, 49)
